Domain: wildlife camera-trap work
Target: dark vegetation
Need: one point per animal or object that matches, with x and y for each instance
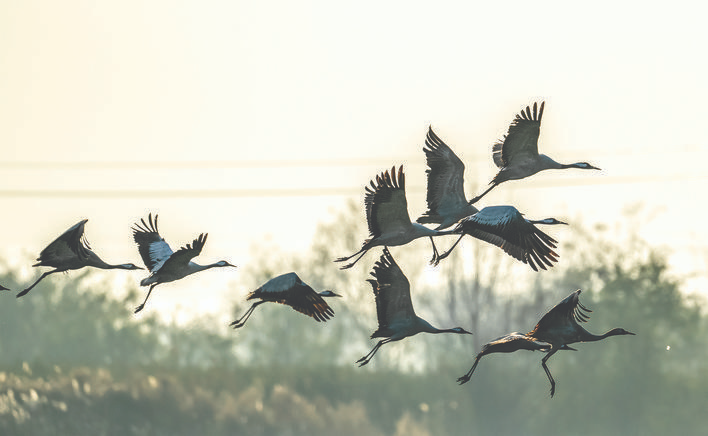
(74, 360)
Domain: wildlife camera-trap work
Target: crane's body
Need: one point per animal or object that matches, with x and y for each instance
(164, 264)
(506, 227)
(556, 330)
(446, 199)
(517, 154)
(387, 216)
(394, 309)
(71, 251)
(290, 290)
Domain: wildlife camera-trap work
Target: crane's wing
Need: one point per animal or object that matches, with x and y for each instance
(566, 313)
(446, 193)
(521, 139)
(505, 227)
(290, 290)
(185, 254)
(72, 243)
(512, 342)
(386, 205)
(392, 294)
(152, 247)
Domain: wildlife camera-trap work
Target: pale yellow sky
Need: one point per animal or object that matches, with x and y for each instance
(321, 96)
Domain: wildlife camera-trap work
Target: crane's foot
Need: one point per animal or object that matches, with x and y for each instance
(553, 391)
(347, 266)
(433, 259)
(139, 308)
(363, 361)
(237, 324)
(464, 379)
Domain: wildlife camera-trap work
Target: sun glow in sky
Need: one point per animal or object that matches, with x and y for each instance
(253, 120)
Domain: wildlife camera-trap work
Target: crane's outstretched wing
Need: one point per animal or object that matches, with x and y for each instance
(566, 313)
(386, 205)
(72, 243)
(185, 254)
(152, 247)
(446, 172)
(290, 290)
(392, 292)
(505, 227)
(521, 139)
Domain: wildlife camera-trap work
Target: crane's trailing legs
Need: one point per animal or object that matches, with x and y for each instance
(465, 378)
(438, 257)
(364, 360)
(477, 198)
(548, 372)
(21, 293)
(361, 253)
(139, 308)
(241, 321)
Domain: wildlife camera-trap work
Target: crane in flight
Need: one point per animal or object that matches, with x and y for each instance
(71, 251)
(387, 216)
(394, 308)
(288, 289)
(506, 227)
(446, 199)
(555, 331)
(517, 154)
(164, 264)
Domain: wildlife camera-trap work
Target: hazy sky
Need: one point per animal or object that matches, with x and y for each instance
(253, 120)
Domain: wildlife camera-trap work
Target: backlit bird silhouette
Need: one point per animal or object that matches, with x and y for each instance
(394, 309)
(506, 227)
(387, 216)
(289, 289)
(446, 193)
(164, 264)
(517, 154)
(558, 328)
(71, 251)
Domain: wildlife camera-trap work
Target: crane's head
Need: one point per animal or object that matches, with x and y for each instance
(329, 293)
(459, 330)
(129, 266)
(550, 221)
(584, 166)
(618, 331)
(223, 263)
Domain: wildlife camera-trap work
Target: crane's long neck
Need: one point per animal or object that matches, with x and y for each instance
(195, 267)
(427, 328)
(97, 262)
(589, 337)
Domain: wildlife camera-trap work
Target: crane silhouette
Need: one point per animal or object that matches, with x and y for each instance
(446, 193)
(387, 216)
(506, 227)
(394, 309)
(164, 264)
(557, 329)
(517, 154)
(71, 251)
(290, 290)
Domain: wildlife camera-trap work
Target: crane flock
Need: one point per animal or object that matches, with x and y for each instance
(389, 224)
